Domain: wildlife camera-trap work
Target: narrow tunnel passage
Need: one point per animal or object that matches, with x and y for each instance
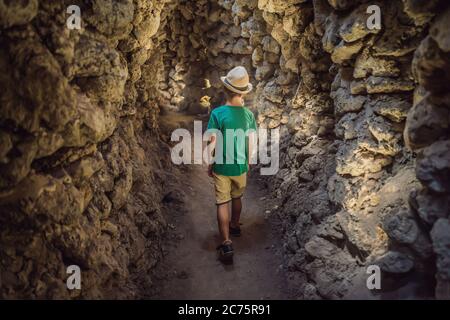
(191, 269)
(86, 178)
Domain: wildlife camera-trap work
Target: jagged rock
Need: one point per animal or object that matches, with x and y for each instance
(387, 140)
(242, 47)
(64, 166)
(256, 33)
(358, 87)
(344, 51)
(264, 71)
(354, 26)
(430, 206)
(332, 280)
(346, 127)
(330, 37)
(252, 29)
(239, 10)
(114, 19)
(78, 107)
(395, 262)
(407, 40)
(330, 228)
(439, 30)
(433, 167)
(345, 102)
(355, 161)
(271, 57)
(321, 11)
(342, 4)
(372, 93)
(6, 146)
(273, 6)
(360, 230)
(17, 13)
(430, 66)
(269, 109)
(421, 11)
(100, 71)
(401, 226)
(388, 85)
(273, 93)
(226, 4)
(310, 292)
(366, 65)
(440, 234)
(394, 108)
(291, 66)
(269, 44)
(296, 19)
(426, 122)
(257, 56)
(320, 248)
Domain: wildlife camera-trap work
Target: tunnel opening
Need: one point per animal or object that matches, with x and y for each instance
(202, 41)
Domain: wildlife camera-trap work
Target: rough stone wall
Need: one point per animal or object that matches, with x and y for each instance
(427, 132)
(344, 194)
(340, 93)
(81, 177)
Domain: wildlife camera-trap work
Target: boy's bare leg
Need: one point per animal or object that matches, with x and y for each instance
(223, 220)
(236, 208)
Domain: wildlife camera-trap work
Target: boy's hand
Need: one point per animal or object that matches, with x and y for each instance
(210, 171)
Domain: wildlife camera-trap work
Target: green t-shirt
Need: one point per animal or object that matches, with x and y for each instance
(234, 123)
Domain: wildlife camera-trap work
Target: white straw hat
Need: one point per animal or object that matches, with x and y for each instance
(237, 80)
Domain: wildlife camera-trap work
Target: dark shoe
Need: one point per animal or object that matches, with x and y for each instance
(225, 251)
(235, 232)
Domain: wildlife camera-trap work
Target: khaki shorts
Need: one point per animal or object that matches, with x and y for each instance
(229, 187)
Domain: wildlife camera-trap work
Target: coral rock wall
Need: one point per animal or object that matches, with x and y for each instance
(346, 98)
(356, 106)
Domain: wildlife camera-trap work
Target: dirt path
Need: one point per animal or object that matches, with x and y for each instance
(195, 272)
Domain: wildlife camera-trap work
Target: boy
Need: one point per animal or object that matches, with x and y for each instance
(230, 167)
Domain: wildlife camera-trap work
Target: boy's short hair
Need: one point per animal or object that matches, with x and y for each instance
(228, 94)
